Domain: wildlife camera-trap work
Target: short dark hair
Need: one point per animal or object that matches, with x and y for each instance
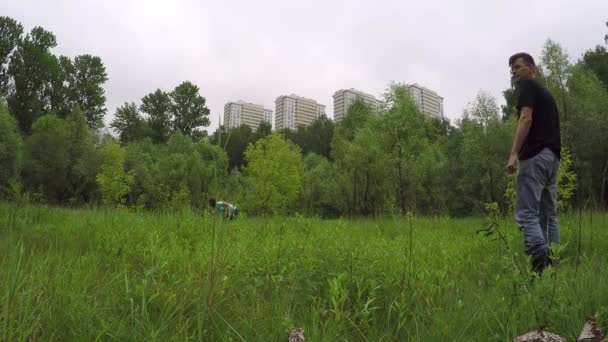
(212, 202)
(525, 56)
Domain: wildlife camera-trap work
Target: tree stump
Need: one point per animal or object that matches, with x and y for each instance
(296, 335)
(539, 336)
(590, 333)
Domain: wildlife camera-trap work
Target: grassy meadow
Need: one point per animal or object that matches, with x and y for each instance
(115, 275)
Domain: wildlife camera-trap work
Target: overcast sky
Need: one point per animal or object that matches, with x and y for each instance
(257, 50)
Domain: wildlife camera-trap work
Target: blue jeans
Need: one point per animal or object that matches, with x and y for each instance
(234, 214)
(536, 212)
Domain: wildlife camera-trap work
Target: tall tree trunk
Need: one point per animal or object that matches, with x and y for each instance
(604, 195)
(366, 197)
(354, 208)
(491, 184)
(401, 185)
(401, 190)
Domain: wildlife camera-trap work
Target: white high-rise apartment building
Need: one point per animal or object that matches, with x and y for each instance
(293, 111)
(243, 113)
(344, 98)
(427, 101)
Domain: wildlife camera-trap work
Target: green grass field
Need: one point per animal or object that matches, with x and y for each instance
(87, 275)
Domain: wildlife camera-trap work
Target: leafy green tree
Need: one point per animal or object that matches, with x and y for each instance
(36, 82)
(33, 70)
(175, 163)
(274, 174)
(210, 173)
(47, 163)
(61, 100)
(555, 70)
(199, 166)
(429, 171)
(114, 183)
(357, 115)
(315, 138)
(414, 150)
(10, 150)
(368, 162)
(588, 141)
(508, 109)
(263, 130)
(61, 160)
(84, 160)
(346, 197)
(234, 141)
(566, 181)
(157, 106)
(402, 131)
(361, 163)
(10, 35)
(86, 88)
(142, 159)
(188, 109)
(180, 199)
(233, 187)
(597, 61)
(165, 173)
(318, 184)
(486, 142)
(456, 192)
(129, 124)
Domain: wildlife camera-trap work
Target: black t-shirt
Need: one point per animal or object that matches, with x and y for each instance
(544, 131)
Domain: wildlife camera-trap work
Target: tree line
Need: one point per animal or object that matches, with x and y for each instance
(374, 162)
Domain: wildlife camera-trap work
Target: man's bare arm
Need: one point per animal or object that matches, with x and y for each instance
(523, 128)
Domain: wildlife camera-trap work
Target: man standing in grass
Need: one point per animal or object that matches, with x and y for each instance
(536, 151)
(228, 210)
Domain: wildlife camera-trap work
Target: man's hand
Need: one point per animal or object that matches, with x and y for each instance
(521, 132)
(512, 163)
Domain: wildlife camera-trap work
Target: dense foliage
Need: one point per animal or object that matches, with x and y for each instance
(373, 162)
